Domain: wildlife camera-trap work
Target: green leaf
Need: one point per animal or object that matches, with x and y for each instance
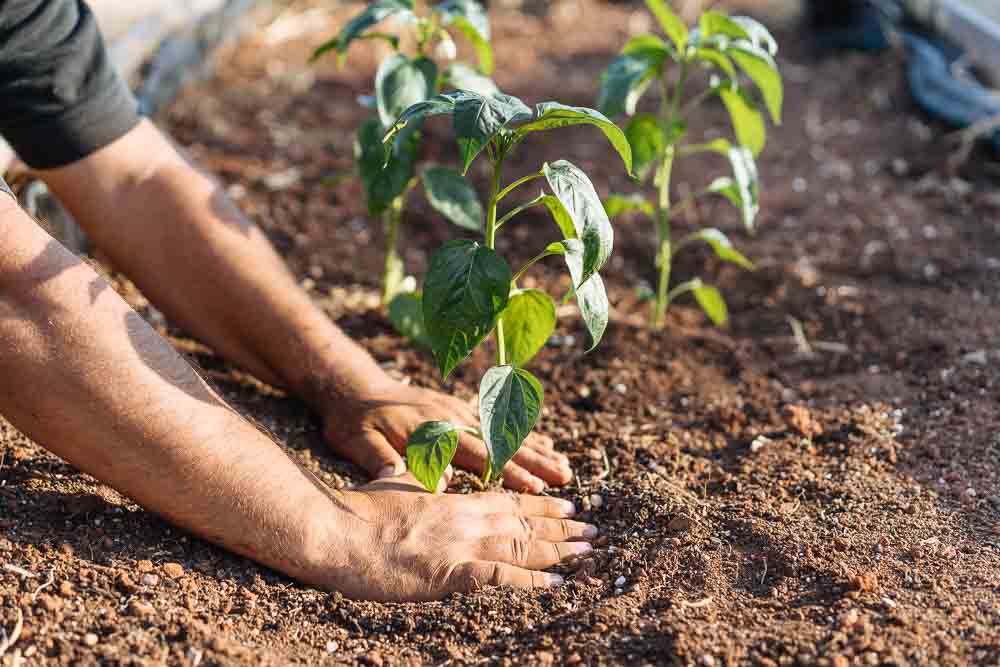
(650, 48)
(550, 115)
(757, 64)
(623, 84)
(467, 286)
(528, 321)
(395, 276)
(645, 136)
(453, 197)
(757, 34)
(471, 19)
(616, 205)
(462, 77)
(747, 183)
(672, 25)
(478, 119)
(560, 215)
(747, 121)
(711, 301)
(384, 182)
(376, 12)
(591, 297)
(407, 317)
(429, 451)
(718, 59)
(590, 221)
(510, 400)
(435, 106)
(713, 23)
(401, 83)
(722, 246)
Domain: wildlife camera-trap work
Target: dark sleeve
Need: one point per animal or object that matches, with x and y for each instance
(60, 98)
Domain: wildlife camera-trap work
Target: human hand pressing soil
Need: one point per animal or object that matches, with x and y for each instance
(370, 428)
(393, 541)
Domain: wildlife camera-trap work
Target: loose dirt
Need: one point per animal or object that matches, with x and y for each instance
(768, 498)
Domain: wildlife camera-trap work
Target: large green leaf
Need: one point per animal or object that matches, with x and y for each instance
(478, 119)
(528, 321)
(401, 83)
(375, 12)
(616, 205)
(758, 64)
(721, 245)
(510, 400)
(715, 24)
(453, 197)
(471, 19)
(672, 25)
(560, 215)
(462, 77)
(645, 136)
(591, 297)
(436, 106)
(624, 82)
(407, 316)
(550, 115)
(467, 286)
(429, 450)
(384, 182)
(747, 121)
(577, 195)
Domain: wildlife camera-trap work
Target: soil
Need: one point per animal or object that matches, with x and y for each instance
(829, 499)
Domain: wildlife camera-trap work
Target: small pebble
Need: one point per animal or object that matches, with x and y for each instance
(140, 609)
(144, 566)
(67, 590)
(596, 501)
(332, 646)
(173, 570)
(50, 603)
(619, 582)
(90, 639)
(150, 579)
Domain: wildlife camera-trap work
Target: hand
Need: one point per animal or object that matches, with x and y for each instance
(372, 433)
(393, 541)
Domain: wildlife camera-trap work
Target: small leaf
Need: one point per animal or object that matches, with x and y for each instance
(395, 276)
(553, 114)
(645, 136)
(590, 221)
(616, 205)
(714, 23)
(467, 286)
(747, 121)
(672, 25)
(650, 48)
(384, 182)
(757, 64)
(711, 301)
(429, 451)
(478, 119)
(510, 400)
(528, 321)
(463, 77)
(623, 84)
(718, 59)
(722, 246)
(747, 183)
(757, 34)
(377, 11)
(453, 197)
(435, 106)
(471, 19)
(401, 83)
(591, 297)
(407, 317)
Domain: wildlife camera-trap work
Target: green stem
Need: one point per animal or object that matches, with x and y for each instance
(683, 288)
(664, 254)
(534, 260)
(521, 181)
(491, 232)
(393, 262)
(522, 207)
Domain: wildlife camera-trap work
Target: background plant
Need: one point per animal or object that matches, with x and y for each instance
(403, 80)
(728, 46)
(470, 290)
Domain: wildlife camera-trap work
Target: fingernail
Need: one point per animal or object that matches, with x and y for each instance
(577, 548)
(554, 580)
(391, 470)
(590, 532)
(569, 509)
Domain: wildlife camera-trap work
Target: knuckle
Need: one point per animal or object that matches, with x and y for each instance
(519, 550)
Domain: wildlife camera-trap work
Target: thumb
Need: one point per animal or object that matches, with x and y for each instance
(372, 451)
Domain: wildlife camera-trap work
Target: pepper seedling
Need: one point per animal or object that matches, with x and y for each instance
(729, 46)
(403, 80)
(470, 290)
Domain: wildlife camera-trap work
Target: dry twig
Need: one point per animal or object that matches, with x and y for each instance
(6, 641)
(48, 582)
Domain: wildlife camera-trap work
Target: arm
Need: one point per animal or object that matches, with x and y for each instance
(111, 397)
(176, 234)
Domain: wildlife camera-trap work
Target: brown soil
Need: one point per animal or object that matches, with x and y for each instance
(759, 503)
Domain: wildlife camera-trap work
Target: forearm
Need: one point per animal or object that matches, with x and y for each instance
(191, 252)
(86, 377)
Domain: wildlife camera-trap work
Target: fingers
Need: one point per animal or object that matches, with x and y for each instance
(371, 451)
(477, 574)
(541, 528)
(471, 455)
(544, 465)
(531, 554)
(528, 506)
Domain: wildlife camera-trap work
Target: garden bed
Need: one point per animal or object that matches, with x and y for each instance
(761, 499)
